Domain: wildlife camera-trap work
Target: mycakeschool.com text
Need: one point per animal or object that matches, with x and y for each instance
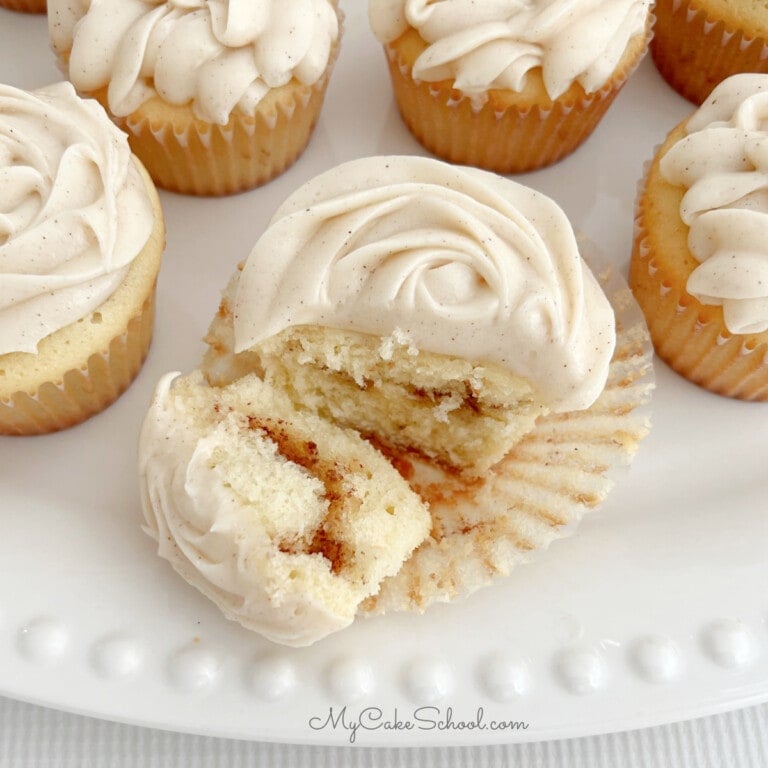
(427, 718)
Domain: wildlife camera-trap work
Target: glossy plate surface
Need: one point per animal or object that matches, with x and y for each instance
(655, 611)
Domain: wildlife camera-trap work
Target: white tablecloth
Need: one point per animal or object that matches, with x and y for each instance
(35, 737)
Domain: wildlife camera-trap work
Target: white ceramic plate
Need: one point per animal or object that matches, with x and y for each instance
(655, 611)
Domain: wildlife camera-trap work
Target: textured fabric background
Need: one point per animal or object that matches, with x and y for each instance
(34, 737)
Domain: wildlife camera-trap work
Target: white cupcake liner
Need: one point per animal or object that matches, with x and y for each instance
(542, 489)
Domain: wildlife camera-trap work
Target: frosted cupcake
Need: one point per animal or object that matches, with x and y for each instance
(701, 242)
(446, 314)
(510, 86)
(404, 329)
(441, 310)
(699, 43)
(286, 521)
(25, 6)
(81, 236)
(216, 97)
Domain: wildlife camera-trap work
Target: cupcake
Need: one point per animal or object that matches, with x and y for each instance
(446, 315)
(430, 329)
(510, 86)
(699, 43)
(25, 6)
(81, 236)
(215, 99)
(284, 520)
(435, 309)
(701, 242)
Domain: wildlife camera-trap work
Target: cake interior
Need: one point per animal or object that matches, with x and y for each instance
(464, 415)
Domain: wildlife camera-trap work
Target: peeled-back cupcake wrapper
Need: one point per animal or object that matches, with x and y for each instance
(84, 391)
(26, 6)
(691, 337)
(539, 492)
(694, 52)
(497, 136)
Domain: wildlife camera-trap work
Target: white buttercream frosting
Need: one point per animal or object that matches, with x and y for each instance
(457, 260)
(496, 43)
(723, 164)
(216, 54)
(74, 212)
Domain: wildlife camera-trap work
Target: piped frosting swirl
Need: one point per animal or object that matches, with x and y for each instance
(74, 212)
(217, 54)
(496, 43)
(459, 261)
(723, 164)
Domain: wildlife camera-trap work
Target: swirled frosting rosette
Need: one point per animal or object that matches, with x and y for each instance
(723, 164)
(217, 54)
(459, 261)
(487, 45)
(444, 315)
(74, 212)
(508, 85)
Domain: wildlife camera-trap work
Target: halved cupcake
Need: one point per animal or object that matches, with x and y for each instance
(433, 308)
(286, 521)
(431, 328)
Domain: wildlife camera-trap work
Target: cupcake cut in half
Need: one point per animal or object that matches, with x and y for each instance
(284, 520)
(510, 86)
(81, 238)
(699, 265)
(435, 309)
(443, 318)
(216, 98)
(699, 43)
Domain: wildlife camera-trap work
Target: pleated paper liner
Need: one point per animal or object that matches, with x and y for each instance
(506, 133)
(694, 51)
(84, 390)
(187, 155)
(689, 336)
(539, 491)
(25, 6)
